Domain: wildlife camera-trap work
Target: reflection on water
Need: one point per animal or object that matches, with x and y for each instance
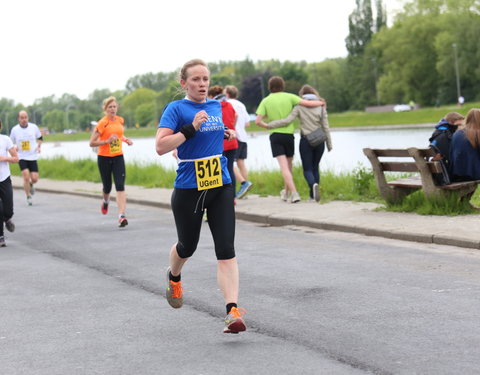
(345, 156)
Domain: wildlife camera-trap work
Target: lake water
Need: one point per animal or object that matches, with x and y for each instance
(346, 154)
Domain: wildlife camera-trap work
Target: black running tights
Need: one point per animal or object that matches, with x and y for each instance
(188, 206)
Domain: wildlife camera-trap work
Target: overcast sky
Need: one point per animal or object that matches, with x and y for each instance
(51, 47)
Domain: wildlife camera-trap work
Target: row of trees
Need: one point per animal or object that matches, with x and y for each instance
(430, 54)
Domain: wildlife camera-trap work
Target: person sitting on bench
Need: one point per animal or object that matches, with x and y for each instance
(465, 149)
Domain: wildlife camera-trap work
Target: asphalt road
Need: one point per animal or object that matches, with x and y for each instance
(80, 296)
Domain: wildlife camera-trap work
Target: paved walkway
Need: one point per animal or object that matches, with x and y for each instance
(362, 218)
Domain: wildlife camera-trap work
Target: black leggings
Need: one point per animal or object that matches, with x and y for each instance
(311, 157)
(188, 206)
(6, 202)
(108, 165)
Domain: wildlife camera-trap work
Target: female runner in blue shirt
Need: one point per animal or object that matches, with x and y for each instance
(194, 127)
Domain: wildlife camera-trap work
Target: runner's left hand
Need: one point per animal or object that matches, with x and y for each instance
(230, 134)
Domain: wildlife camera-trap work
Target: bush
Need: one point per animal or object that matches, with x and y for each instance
(363, 180)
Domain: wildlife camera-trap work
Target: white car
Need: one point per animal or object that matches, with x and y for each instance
(402, 108)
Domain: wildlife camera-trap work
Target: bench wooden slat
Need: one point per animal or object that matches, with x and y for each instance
(391, 152)
(414, 182)
(398, 166)
(400, 152)
(458, 185)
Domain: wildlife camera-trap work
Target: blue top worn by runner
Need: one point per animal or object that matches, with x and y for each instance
(207, 142)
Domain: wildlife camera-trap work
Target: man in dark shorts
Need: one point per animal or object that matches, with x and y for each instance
(276, 106)
(27, 138)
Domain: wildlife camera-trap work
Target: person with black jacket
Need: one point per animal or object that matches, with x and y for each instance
(440, 143)
(442, 136)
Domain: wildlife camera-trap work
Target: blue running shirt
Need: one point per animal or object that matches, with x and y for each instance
(208, 141)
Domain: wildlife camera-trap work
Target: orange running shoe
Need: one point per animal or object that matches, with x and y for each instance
(234, 322)
(174, 292)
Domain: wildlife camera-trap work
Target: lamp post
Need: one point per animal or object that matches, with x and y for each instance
(375, 77)
(69, 105)
(457, 75)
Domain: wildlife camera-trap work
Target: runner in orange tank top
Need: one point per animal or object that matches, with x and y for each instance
(108, 137)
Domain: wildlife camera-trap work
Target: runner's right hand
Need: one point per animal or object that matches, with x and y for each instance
(199, 119)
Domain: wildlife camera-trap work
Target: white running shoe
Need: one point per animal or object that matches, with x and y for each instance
(316, 192)
(295, 197)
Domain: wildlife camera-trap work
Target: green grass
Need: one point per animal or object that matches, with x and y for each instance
(357, 186)
(449, 206)
(87, 170)
(419, 116)
(418, 203)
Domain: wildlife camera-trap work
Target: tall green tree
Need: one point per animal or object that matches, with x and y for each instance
(360, 26)
(362, 67)
(381, 16)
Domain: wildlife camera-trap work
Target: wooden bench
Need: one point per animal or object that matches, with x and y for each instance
(413, 160)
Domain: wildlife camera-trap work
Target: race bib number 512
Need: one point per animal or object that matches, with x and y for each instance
(208, 173)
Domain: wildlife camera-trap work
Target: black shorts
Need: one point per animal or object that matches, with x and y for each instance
(241, 150)
(282, 144)
(31, 165)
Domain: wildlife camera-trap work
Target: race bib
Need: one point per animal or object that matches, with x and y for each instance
(25, 145)
(115, 146)
(208, 173)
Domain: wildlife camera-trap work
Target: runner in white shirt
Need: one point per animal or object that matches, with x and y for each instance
(28, 140)
(243, 120)
(8, 154)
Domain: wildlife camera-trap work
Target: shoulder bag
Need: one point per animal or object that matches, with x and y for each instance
(316, 137)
